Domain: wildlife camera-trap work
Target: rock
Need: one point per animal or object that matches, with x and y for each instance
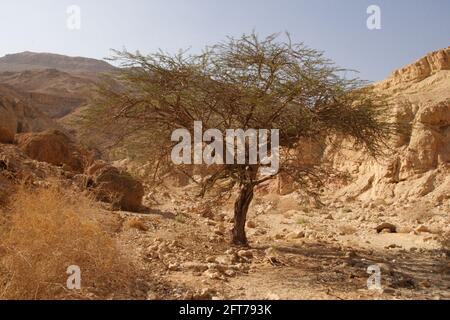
(272, 296)
(423, 229)
(219, 232)
(418, 167)
(385, 268)
(251, 224)
(54, 147)
(224, 260)
(117, 187)
(295, 235)
(204, 294)
(153, 296)
(389, 291)
(429, 238)
(425, 67)
(246, 254)
(386, 226)
(230, 273)
(329, 217)
(194, 266)
(404, 230)
(173, 267)
(214, 275)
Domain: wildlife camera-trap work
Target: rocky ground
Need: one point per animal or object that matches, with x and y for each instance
(296, 252)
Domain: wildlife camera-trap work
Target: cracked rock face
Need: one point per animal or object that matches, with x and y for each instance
(425, 67)
(419, 165)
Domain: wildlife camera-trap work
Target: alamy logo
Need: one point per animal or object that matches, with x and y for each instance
(374, 281)
(74, 279)
(374, 20)
(73, 17)
(250, 147)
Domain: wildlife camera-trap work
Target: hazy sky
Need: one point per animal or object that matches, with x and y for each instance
(410, 28)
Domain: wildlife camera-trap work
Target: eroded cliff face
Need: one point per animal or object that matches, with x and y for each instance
(52, 92)
(425, 67)
(419, 163)
(17, 115)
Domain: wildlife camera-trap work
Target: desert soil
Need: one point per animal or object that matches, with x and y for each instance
(295, 252)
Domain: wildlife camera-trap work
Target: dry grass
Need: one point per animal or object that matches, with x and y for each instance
(45, 232)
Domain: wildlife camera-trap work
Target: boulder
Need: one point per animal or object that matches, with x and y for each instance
(111, 185)
(54, 147)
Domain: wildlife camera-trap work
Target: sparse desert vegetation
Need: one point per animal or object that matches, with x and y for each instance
(43, 232)
(89, 182)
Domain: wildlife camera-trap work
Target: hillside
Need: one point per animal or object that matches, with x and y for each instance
(26, 61)
(17, 115)
(53, 92)
(54, 84)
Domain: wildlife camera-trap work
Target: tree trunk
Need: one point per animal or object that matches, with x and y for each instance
(240, 214)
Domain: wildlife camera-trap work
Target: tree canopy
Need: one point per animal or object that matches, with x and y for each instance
(241, 83)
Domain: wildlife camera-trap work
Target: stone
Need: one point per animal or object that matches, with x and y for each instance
(248, 254)
(173, 267)
(386, 226)
(214, 275)
(194, 266)
(295, 235)
(225, 259)
(423, 229)
(251, 224)
(111, 185)
(272, 296)
(54, 147)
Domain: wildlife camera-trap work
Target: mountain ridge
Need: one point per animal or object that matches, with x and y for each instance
(27, 60)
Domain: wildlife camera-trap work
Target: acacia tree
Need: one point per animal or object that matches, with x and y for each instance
(242, 83)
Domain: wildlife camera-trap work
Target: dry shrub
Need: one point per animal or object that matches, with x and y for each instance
(48, 230)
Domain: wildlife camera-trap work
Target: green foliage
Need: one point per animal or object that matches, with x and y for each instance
(240, 83)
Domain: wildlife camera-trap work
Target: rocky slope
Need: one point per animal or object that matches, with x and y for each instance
(18, 115)
(54, 84)
(53, 92)
(419, 163)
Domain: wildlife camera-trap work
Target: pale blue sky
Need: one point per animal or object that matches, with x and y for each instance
(410, 28)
